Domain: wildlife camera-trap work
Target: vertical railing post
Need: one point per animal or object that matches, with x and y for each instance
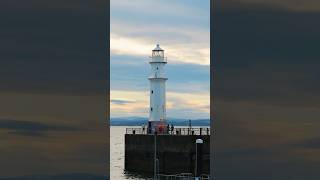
(155, 155)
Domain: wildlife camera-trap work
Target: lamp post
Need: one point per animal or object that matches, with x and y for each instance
(155, 156)
(198, 163)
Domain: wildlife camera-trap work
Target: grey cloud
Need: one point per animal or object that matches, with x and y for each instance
(266, 95)
(78, 176)
(312, 143)
(49, 48)
(121, 102)
(30, 128)
(266, 54)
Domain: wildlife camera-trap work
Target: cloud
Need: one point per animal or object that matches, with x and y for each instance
(138, 108)
(121, 102)
(137, 31)
(78, 176)
(269, 43)
(182, 105)
(178, 33)
(55, 53)
(161, 8)
(291, 5)
(53, 87)
(311, 143)
(249, 134)
(54, 152)
(38, 6)
(176, 53)
(266, 99)
(30, 128)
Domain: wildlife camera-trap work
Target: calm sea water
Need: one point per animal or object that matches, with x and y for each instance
(117, 154)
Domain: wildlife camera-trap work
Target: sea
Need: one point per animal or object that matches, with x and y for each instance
(117, 154)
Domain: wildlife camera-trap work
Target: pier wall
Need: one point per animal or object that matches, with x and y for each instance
(176, 153)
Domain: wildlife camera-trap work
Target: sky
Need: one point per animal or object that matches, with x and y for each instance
(53, 89)
(182, 28)
(266, 91)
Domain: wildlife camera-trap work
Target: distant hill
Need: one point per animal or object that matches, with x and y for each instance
(138, 121)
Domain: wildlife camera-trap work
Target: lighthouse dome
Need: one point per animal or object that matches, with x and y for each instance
(157, 48)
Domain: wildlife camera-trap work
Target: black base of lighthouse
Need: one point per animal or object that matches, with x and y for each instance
(157, 127)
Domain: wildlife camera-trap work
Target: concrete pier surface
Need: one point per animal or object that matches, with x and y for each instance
(175, 153)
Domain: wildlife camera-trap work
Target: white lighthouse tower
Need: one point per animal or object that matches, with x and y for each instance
(157, 115)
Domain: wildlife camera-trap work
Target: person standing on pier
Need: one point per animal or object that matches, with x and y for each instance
(143, 128)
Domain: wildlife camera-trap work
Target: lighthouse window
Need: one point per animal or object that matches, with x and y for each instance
(157, 68)
(151, 92)
(151, 109)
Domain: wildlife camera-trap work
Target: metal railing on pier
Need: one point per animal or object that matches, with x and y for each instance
(183, 176)
(174, 131)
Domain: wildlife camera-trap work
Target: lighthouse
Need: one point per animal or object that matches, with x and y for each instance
(160, 146)
(157, 110)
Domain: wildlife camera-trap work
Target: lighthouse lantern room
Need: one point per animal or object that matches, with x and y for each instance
(157, 110)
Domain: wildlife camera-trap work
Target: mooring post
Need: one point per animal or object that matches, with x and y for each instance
(198, 163)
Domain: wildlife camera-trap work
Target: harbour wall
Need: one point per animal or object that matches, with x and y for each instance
(176, 153)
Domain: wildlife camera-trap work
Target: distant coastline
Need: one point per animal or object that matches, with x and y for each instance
(138, 121)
